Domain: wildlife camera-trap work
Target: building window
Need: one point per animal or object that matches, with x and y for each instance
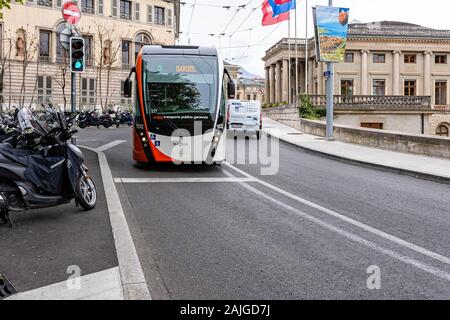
(160, 16)
(126, 54)
(254, 97)
(44, 89)
(141, 40)
(58, 3)
(249, 97)
(45, 3)
(347, 87)
(88, 45)
(442, 130)
(440, 93)
(372, 125)
(137, 11)
(410, 88)
(44, 45)
(410, 58)
(114, 8)
(349, 57)
(87, 6)
(440, 59)
(87, 91)
(379, 58)
(379, 87)
(125, 9)
(149, 14)
(100, 6)
(169, 17)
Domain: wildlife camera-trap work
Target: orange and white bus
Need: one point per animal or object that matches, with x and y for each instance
(180, 104)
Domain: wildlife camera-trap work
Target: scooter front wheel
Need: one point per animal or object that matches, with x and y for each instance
(86, 193)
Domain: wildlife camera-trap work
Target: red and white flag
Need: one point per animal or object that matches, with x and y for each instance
(268, 18)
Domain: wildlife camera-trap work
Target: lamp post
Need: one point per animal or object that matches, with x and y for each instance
(330, 96)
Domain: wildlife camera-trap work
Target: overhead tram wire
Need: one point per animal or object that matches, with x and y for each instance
(190, 22)
(227, 7)
(259, 42)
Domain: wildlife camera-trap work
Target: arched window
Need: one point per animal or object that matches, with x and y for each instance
(442, 130)
(61, 54)
(139, 41)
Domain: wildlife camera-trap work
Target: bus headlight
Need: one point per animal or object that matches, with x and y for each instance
(216, 139)
(144, 139)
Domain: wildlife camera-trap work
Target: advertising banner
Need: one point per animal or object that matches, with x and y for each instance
(330, 28)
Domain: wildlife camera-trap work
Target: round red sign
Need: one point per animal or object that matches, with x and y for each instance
(71, 13)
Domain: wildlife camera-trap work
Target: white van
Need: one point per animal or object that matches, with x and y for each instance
(244, 117)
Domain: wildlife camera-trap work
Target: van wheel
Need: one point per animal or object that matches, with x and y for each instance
(258, 135)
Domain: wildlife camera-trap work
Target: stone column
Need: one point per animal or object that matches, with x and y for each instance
(272, 83)
(320, 79)
(279, 81)
(267, 100)
(427, 74)
(364, 72)
(396, 73)
(285, 89)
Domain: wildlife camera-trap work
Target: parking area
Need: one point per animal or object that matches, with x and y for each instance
(48, 246)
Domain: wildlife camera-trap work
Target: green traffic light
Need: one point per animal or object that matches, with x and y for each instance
(78, 65)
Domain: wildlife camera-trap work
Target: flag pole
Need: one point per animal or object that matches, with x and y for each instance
(306, 50)
(289, 50)
(296, 58)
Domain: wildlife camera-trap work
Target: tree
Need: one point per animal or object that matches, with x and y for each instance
(6, 4)
(61, 77)
(5, 63)
(26, 46)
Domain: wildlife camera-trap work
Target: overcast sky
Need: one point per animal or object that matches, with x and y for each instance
(208, 18)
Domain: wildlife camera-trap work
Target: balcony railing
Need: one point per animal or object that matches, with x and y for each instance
(44, 58)
(378, 103)
(125, 16)
(88, 9)
(445, 108)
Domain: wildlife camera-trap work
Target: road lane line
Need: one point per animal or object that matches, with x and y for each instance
(133, 281)
(351, 236)
(351, 221)
(110, 145)
(182, 180)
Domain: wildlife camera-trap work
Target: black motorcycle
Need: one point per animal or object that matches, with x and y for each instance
(48, 172)
(92, 119)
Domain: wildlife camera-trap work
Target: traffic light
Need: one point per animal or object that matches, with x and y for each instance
(77, 60)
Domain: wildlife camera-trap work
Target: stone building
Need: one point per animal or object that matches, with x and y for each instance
(34, 63)
(250, 90)
(407, 63)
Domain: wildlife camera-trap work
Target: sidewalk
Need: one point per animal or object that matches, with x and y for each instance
(416, 165)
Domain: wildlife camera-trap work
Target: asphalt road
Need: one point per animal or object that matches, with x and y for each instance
(310, 231)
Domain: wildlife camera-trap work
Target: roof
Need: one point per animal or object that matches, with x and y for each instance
(249, 82)
(176, 50)
(395, 29)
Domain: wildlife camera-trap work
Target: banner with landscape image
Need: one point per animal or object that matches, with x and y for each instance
(330, 27)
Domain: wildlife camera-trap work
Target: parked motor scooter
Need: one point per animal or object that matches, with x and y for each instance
(46, 173)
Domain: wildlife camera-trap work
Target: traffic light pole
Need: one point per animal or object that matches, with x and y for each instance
(73, 98)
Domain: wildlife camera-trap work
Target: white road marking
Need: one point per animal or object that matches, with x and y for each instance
(182, 180)
(353, 237)
(133, 281)
(351, 221)
(110, 145)
(103, 285)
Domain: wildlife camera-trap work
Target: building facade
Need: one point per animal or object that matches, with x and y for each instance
(382, 59)
(34, 64)
(250, 90)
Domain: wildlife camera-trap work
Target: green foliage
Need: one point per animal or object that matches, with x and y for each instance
(307, 110)
(6, 4)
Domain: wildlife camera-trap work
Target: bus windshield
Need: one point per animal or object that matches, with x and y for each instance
(180, 84)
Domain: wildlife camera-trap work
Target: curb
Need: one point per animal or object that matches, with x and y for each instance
(133, 281)
(410, 173)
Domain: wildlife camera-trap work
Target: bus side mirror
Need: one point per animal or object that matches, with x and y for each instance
(127, 88)
(231, 90)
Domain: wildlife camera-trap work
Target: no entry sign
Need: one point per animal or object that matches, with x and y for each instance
(71, 13)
